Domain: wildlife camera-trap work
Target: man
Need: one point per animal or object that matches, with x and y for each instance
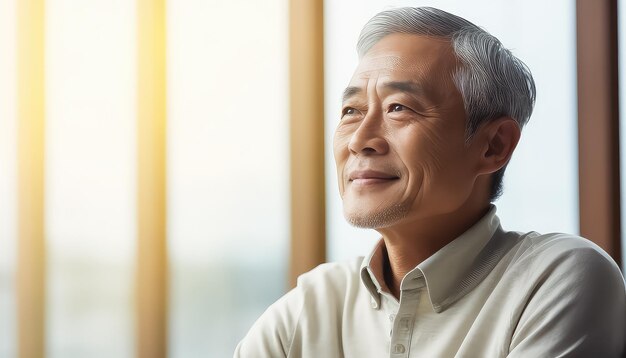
(430, 120)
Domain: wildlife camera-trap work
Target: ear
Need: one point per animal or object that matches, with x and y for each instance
(499, 138)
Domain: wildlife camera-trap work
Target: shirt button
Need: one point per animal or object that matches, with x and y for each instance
(398, 348)
(392, 317)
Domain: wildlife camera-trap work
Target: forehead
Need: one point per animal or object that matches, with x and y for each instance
(407, 57)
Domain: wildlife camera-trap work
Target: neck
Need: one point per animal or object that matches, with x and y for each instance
(412, 242)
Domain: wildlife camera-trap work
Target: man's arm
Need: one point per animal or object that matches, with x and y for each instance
(577, 309)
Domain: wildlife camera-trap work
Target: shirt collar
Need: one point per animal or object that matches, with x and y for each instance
(451, 272)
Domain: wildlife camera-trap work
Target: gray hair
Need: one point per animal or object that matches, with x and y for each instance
(491, 80)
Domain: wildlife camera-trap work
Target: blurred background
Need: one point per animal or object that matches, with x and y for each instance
(230, 81)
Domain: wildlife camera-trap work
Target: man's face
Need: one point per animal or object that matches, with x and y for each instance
(400, 145)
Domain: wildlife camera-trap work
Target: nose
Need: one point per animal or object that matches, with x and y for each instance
(368, 138)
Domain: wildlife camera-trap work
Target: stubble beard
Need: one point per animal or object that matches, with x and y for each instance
(378, 218)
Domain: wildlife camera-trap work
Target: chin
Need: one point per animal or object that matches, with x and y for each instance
(378, 218)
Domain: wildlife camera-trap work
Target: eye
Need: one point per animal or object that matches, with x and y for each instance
(395, 107)
(348, 111)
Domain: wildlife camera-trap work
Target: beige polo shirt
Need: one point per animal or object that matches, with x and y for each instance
(488, 293)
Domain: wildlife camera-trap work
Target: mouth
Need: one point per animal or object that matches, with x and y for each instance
(371, 177)
(372, 181)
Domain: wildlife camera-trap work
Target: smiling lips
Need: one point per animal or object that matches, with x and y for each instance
(370, 177)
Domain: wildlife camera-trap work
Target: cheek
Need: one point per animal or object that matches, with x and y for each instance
(341, 154)
(341, 139)
(424, 150)
(435, 160)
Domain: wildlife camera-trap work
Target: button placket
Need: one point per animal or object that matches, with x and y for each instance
(403, 324)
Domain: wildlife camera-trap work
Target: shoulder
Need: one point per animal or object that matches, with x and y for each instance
(546, 252)
(566, 262)
(577, 267)
(573, 296)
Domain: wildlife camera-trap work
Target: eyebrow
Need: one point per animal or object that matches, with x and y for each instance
(349, 92)
(409, 87)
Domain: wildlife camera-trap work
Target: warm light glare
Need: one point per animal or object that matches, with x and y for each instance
(90, 177)
(228, 174)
